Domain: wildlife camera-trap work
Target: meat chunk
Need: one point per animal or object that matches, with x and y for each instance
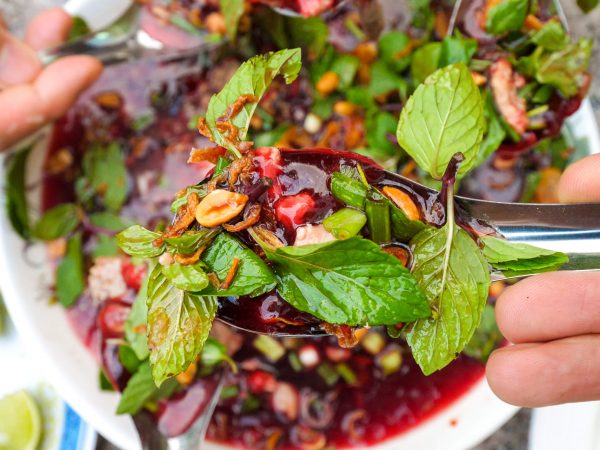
(504, 87)
(106, 280)
(312, 234)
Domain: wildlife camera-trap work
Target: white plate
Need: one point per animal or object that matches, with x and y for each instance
(63, 429)
(74, 373)
(574, 425)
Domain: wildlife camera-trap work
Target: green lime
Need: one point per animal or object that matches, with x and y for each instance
(20, 423)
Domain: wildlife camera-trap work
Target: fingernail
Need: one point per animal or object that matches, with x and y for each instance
(18, 63)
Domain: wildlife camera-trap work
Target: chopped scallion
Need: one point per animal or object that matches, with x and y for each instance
(328, 373)
(270, 347)
(390, 361)
(295, 362)
(378, 217)
(345, 223)
(346, 373)
(348, 190)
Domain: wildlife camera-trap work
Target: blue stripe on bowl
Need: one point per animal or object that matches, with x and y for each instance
(72, 430)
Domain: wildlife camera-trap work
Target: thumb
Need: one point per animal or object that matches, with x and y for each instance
(18, 63)
(580, 182)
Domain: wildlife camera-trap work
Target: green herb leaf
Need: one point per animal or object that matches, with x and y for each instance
(509, 15)
(135, 325)
(17, 208)
(457, 49)
(70, 281)
(57, 222)
(451, 270)
(232, 10)
(109, 221)
(565, 69)
(552, 36)
(404, 229)
(393, 50)
(128, 358)
(384, 80)
(514, 258)
(252, 78)
(345, 66)
(137, 241)
(486, 338)
(201, 190)
(105, 173)
(380, 127)
(105, 246)
(308, 33)
(253, 276)
(190, 241)
(189, 277)
(495, 133)
(178, 325)
(79, 28)
(425, 61)
(214, 352)
(141, 390)
(350, 282)
(587, 5)
(443, 117)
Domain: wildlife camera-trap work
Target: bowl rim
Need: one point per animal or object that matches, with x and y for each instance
(458, 426)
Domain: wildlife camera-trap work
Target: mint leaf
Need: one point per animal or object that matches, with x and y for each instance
(457, 49)
(106, 174)
(190, 241)
(135, 325)
(201, 190)
(552, 36)
(509, 15)
(105, 246)
(425, 61)
(486, 338)
(345, 66)
(137, 241)
(79, 28)
(514, 258)
(253, 276)
(57, 222)
(451, 270)
(253, 77)
(232, 11)
(495, 133)
(128, 358)
(350, 282)
(109, 221)
(17, 208)
(393, 50)
(70, 281)
(141, 390)
(189, 277)
(384, 80)
(587, 5)
(178, 325)
(443, 117)
(565, 69)
(379, 128)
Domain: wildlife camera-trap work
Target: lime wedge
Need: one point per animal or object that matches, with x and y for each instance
(20, 423)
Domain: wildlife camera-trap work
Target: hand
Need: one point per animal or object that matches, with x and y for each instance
(32, 95)
(554, 321)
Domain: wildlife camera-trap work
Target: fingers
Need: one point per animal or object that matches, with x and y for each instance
(550, 306)
(533, 375)
(18, 62)
(25, 108)
(580, 182)
(48, 29)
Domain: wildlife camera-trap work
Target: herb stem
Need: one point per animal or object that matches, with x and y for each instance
(378, 217)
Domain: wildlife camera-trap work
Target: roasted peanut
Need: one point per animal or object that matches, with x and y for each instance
(186, 377)
(215, 23)
(344, 108)
(366, 52)
(220, 206)
(328, 83)
(403, 201)
(532, 23)
(479, 79)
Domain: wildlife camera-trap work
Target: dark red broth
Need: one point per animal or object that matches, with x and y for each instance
(364, 409)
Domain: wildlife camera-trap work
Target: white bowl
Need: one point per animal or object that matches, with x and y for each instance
(74, 372)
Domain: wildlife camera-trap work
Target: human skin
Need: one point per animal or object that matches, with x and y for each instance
(553, 322)
(32, 95)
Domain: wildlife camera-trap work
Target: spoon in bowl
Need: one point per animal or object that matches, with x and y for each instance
(573, 229)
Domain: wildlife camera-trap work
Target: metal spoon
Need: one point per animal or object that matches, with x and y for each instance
(573, 229)
(152, 439)
(116, 35)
